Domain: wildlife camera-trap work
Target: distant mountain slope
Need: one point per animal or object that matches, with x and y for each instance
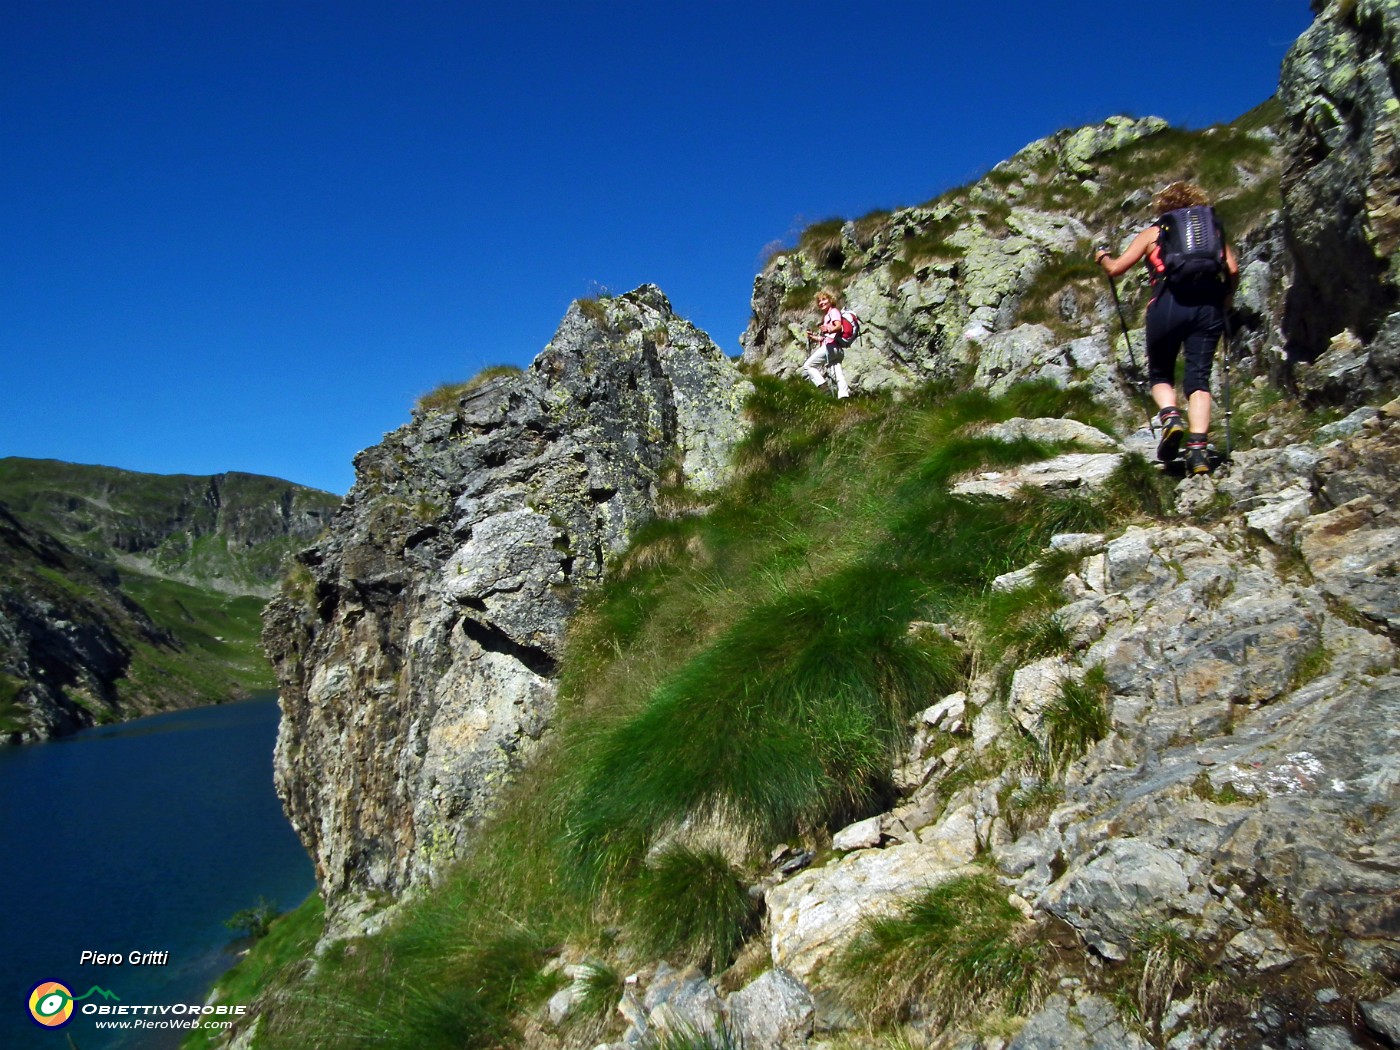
(124, 593)
(228, 531)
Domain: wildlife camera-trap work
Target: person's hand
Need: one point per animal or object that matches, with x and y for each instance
(1100, 254)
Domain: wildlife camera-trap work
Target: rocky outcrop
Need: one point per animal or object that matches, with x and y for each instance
(987, 284)
(1341, 190)
(1234, 798)
(1234, 827)
(417, 645)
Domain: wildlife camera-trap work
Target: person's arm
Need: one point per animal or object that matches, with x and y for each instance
(1121, 265)
(1232, 267)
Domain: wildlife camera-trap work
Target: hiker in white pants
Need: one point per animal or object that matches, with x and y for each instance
(829, 353)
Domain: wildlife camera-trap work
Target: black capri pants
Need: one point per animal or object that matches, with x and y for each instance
(1172, 324)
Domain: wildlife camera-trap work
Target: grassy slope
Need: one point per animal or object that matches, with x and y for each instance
(220, 635)
(743, 680)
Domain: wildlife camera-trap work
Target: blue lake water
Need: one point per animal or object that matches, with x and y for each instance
(142, 837)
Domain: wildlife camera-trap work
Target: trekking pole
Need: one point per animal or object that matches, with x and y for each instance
(1225, 360)
(1132, 355)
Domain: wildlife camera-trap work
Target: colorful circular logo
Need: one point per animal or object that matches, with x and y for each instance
(51, 1004)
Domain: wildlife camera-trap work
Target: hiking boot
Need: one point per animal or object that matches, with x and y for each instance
(1197, 461)
(1173, 430)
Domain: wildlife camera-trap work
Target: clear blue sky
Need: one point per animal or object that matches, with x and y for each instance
(246, 234)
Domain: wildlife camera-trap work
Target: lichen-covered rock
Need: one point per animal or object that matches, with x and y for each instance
(815, 913)
(416, 649)
(1090, 1023)
(1074, 470)
(1353, 549)
(772, 1011)
(1341, 183)
(952, 309)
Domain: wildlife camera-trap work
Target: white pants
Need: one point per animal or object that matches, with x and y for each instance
(813, 371)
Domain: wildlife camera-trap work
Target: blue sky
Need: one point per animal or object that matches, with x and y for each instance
(247, 234)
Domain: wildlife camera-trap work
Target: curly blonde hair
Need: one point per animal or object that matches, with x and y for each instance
(1178, 195)
(827, 293)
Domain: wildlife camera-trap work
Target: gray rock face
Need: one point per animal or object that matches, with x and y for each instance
(1091, 1023)
(775, 1010)
(1353, 549)
(951, 311)
(416, 662)
(1076, 470)
(1341, 185)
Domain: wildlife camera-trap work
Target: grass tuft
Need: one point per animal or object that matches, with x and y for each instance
(444, 398)
(602, 988)
(691, 905)
(1077, 719)
(959, 949)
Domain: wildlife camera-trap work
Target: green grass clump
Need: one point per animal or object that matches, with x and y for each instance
(1165, 966)
(787, 721)
(691, 905)
(931, 242)
(1026, 805)
(1077, 719)
(1203, 788)
(1075, 273)
(444, 398)
(687, 1037)
(959, 949)
(466, 999)
(822, 242)
(602, 988)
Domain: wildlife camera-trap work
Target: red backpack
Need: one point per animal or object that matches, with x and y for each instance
(850, 327)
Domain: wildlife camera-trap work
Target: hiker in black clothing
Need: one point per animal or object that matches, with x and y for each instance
(1182, 312)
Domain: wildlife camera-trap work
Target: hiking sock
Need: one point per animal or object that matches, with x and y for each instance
(1173, 430)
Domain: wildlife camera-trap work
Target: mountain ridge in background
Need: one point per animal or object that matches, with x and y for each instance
(125, 593)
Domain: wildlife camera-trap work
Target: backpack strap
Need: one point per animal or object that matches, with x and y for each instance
(1152, 259)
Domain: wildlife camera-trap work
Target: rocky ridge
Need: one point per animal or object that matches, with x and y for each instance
(417, 645)
(1240, 802)
(1243, 796)
(945, 289)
